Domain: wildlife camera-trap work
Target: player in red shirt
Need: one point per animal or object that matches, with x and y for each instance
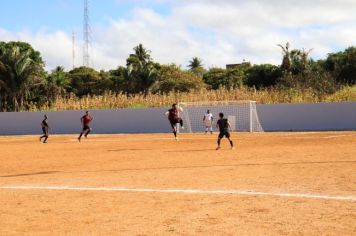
(86, 119)
(174, 118)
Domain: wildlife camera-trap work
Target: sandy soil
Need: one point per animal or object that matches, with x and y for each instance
(318, 163)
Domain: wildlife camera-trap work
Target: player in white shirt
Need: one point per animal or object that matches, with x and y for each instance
(208, 122)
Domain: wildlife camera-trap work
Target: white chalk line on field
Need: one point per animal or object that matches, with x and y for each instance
(185, 191)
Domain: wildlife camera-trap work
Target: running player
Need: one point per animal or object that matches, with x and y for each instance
(86, 119)
(45, 129)
(174, 118)
(208, 122)
(225, 128)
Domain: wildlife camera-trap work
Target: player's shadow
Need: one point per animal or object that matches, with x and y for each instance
(192, 150)
(30, 174)
(129, 149)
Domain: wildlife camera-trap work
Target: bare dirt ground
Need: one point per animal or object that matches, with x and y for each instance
(119, 185)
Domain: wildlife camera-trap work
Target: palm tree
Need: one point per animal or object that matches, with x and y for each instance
(195, 63)
(286, 63)
(142, 72)
(19, 74)
(57, 82)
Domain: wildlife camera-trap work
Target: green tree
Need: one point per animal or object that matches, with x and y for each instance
(261, 76)
(294, 61)
(117, 78)
(142, 71)
(218, 77)
(173, 78)
(57, 82)
(196, 66)
(21, 74)
(342, 65)
(87, 81)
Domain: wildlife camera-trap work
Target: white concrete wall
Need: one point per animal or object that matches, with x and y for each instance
(308, 117)
(278, 117)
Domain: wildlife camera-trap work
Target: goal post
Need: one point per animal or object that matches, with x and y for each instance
(242, 115)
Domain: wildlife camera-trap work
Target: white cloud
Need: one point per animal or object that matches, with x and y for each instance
(219, 32)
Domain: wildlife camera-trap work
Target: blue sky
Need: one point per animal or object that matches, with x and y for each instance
(66, 15)
(219, 32)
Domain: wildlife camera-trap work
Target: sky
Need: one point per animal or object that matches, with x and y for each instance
(219, 32)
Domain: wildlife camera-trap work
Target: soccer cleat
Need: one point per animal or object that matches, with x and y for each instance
(218, 148)
(79, 139)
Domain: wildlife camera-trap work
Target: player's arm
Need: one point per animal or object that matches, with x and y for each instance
(166, 113)
(228, 124)
(82, 119)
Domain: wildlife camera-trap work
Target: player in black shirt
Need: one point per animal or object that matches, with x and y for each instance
(225, 128)
(45, 128)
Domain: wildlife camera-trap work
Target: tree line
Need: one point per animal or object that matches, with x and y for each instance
(24, 82)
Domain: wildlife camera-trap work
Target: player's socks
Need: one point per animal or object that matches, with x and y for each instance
(181, 124)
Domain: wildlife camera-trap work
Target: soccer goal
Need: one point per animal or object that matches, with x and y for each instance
(242, 115)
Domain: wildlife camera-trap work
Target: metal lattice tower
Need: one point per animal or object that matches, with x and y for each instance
(73, 49)
(86, 35)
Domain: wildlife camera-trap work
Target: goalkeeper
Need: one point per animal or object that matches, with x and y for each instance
(174, 118)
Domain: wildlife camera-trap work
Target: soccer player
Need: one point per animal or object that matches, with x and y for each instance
(45, 129)
(208, 122)
(86, 119)
(225, 128)
(174, 118)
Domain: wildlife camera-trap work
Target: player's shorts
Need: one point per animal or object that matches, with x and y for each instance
(44, 130)
(208, 123)
(86, 127)
(174, 122)
(224, 134)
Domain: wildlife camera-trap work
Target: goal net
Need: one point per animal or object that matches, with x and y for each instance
(242, 115)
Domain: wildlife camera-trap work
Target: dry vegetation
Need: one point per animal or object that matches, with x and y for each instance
(267, 96)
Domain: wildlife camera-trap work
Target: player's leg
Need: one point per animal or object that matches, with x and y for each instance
(88, 132)
(221, 135)
(229, 138)
(206, 129)
(44, 134)
(181, 123)
(81, 134)
(211, 129)
(174, 129)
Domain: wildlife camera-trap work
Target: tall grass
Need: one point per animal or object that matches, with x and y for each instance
(267, 96)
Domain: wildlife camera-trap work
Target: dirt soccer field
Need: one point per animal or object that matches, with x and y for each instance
(272, 184)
